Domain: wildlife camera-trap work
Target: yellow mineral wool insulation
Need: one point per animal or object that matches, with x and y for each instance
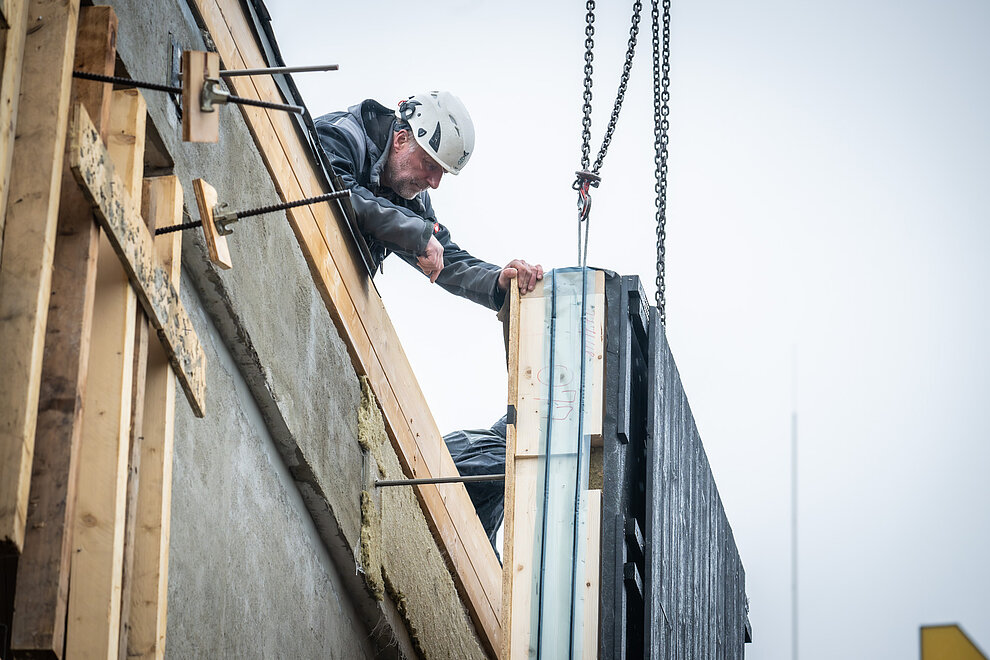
(395, 535)
(596, 469)
(371, 545)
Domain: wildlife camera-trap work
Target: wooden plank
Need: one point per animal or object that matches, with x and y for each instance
(360, 316)
(161, 204)
(93, 627)
(43, 572)
(28, 247)
(120, 216)
(526, 336)
(508, 536)
(595, 348)
(526, 360)
(198, 126)
(138, 382)
(125, 144)
(12, 52)
(592, 558)
(206, 201)
(125, 140)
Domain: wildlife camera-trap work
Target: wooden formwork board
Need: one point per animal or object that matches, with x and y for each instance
(93, 627)
(529, 378)
(593, 552)
(120, 216)
(509, 526)
(43, 570)
(12, 37)
(125, 143)
(199, 126)
(360, 316)
(216, 243)
(28, 247)
(161, 205)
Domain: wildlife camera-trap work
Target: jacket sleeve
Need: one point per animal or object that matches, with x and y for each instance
(463, 274)
(397, 228)
(468, 276)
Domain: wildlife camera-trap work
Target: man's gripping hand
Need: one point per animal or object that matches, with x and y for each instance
(431, 261)
(527, 275)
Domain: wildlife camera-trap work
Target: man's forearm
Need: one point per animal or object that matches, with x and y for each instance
(397, 229)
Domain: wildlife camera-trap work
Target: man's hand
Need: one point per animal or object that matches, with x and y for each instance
(431, 262)
(527, 275)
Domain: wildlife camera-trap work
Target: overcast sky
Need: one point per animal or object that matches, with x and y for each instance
(828, 199)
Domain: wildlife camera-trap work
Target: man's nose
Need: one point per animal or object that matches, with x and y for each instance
(434, 179)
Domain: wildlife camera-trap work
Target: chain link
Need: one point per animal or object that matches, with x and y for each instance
(589, 69)
(589, 45)
(620, 95)
(661, 112)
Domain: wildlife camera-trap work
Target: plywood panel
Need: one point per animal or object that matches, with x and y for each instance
(29, 245)
(43, 572)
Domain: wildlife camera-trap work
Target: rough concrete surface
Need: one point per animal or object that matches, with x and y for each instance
(415, 574)
(249, 576)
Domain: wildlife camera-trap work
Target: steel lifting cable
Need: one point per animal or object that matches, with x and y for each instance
(546, 466)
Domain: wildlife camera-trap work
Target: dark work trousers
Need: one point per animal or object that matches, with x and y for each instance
(482, 451)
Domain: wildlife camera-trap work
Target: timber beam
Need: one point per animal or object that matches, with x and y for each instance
(28, 247)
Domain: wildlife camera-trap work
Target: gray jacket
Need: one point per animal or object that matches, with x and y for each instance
(358, 142)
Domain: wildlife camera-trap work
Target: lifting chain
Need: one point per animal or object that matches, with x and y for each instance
(588, 177)
(661, 110)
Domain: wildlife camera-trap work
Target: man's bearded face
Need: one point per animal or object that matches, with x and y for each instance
(410, 170)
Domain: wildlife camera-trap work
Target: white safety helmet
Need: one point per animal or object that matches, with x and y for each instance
(442, 127)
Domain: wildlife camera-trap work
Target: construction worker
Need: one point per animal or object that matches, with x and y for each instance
(388, 160)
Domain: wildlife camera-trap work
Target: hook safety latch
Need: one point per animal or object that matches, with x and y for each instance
(585, 179)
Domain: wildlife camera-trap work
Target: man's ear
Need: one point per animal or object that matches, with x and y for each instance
(400, 139)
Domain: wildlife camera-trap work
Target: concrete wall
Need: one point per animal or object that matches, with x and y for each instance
(266, 510)
(249, 574)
